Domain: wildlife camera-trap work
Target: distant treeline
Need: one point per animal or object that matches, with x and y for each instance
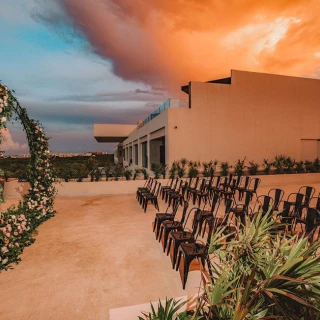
(75, 167)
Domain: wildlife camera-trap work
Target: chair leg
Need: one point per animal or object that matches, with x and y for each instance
(169, 245)
(156, 203)
(155, 223)
(187, 262)
(158, 229)
(160, 233)
(175, 252)
(146, 204)
(179, 254)
(165, 238)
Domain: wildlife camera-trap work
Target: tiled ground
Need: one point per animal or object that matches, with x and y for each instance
(98, 253)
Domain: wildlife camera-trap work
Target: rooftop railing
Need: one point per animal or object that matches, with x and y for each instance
(170, 103)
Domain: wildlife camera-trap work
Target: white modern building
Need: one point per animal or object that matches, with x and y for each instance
(252, 115)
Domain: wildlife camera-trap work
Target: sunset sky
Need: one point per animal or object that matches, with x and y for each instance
(75, 63)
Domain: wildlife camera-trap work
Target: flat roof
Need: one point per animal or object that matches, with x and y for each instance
(185, 88)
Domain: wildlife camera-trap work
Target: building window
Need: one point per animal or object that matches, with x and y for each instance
(136, 154)
(144, 149)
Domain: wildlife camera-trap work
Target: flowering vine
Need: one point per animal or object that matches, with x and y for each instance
(18, 223)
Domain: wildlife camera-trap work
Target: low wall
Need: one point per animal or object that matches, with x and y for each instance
(15, 189)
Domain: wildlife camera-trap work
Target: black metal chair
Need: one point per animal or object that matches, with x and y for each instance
(263, 204)
(243, 185)
(285, 217)
(146, 187)
(192, 186)
(167, 215)
(296, 199)
(153, 197)
(166, 187)
(310, 224)
(172, 225)
(308, 193)
(187, 235)
(253, 186)
(241, 210)
(172, 188)
(212, 213)
(277, 196)
(147, 191)
(196, 250)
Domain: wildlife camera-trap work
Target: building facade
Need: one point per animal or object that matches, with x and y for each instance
(252, 115)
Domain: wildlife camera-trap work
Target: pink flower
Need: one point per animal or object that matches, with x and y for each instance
(8, 235)
(9, 227)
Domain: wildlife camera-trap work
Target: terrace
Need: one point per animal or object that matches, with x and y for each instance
(95, 254)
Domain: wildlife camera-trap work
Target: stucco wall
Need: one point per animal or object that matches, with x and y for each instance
(257, 116)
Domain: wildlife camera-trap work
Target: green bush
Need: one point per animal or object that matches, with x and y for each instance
(145, 173)
(224, 168)
(157, 170)
(253, 167)
(239, 167)
(127, 174)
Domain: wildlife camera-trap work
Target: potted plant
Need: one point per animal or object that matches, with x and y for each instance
(253, 167)
(224, 168)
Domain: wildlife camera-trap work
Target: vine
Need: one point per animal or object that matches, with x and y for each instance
(18, 223)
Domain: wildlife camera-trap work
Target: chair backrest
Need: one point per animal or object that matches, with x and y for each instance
(298, 199)
(244, 182)
(196, 221)
(238, 181)
(230, 178)
(263, 202)
(248, 197)
(315, 203)
(311, 221)
(173, 187)
(157, 190)
(254, 184)
(147, 182)
(215, 200)
(217, 181)
(308, 193)
(184, 212)
(276, 195)
(202, 185)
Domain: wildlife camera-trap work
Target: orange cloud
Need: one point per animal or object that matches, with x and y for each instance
(168, 43)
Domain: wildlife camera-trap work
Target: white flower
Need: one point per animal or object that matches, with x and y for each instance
(4, 250)
(5, 103)
(5, 261)
(1, 107)
(3, 119)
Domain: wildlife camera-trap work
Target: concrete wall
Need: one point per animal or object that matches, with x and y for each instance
(144, 134)
(257, 116)
(15, 189)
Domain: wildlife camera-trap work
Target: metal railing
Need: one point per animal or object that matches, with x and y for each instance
(170, 103)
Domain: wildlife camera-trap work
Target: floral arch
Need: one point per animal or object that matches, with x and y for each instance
(18, 223)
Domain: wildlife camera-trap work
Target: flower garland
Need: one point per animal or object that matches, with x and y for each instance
(18, 223)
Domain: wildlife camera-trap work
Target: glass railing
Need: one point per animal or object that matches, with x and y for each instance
(170, 103)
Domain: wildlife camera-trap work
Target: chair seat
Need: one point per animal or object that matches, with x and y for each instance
(181, 235)
(193, 248)
(171, 224)
(164, 216)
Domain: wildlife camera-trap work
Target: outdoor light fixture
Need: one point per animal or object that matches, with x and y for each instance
(175, 127)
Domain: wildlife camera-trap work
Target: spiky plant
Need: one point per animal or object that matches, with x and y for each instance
(170, 310)
(261, 274)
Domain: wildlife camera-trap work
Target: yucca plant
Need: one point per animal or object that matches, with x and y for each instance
(171, 310)
(224, 168)
(253, 167)
(239, 167)
(173, 169)
(262, 274)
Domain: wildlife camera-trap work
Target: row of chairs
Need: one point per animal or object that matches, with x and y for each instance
(149, 193)
(184, 242)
